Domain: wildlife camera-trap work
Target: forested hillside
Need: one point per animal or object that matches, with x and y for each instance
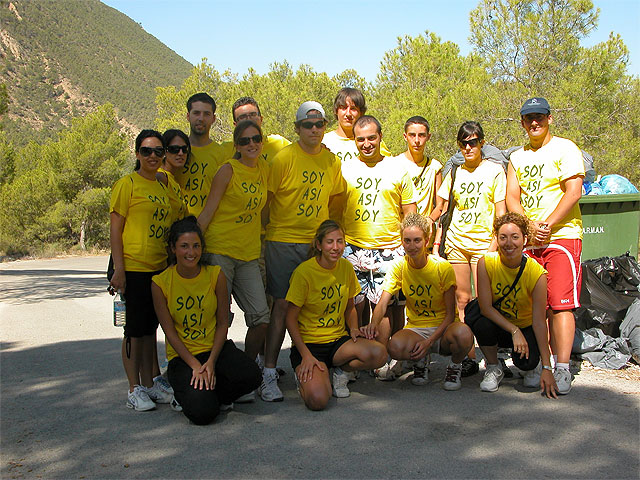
(62, 59)
(54, 193)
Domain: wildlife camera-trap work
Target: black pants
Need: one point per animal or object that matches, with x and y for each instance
(236, 375)
(488, 334)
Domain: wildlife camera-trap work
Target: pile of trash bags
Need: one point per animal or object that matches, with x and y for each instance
(608, 185)
(608, 320)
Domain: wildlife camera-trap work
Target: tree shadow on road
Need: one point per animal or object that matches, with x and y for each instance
(32, 286)
(63, 416)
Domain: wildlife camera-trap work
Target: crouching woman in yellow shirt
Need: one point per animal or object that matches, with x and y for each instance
(429, 284)
(207, 372)
(320, 307)
(519, 321)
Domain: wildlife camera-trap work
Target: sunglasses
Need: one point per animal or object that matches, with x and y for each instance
(310, 125)
(147, 151)
(175, 149)
(244, 141)
(474, 142)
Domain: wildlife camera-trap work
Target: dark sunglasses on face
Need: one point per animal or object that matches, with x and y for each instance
(244, 141)
(147, 151)
(310, 125)
(175, 149)
(472, 143)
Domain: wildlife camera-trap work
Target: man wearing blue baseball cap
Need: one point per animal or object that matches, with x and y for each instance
(544, 182)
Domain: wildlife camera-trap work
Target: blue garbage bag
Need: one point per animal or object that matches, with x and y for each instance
(616, 184)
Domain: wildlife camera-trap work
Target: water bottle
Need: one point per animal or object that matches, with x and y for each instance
(119, 310)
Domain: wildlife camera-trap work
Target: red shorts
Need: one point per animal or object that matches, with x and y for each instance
(561, 259)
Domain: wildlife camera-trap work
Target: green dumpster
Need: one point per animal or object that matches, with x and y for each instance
(610, 225)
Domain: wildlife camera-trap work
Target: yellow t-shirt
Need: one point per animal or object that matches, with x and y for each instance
(375, 195)
(424, 181)
(475, 194)
(539, 175)
(176, 199)
(234, 230)
(192, 303)
(271, 145)
(424, 289)
(517, 306)
(197, 174)
(322, 296)
(146, 208)
(301, 185)
(345, 148)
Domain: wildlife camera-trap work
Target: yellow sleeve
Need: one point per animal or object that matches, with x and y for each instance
(447, 275)
(277, 171)
(393, 278)
(571, 162)
(445, 187)
(500, 187)
(298, 288)
(407, 189)
(121, 196)
(339, 183)
(352, 280)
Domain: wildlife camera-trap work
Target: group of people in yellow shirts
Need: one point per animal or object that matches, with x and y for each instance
(332, 238)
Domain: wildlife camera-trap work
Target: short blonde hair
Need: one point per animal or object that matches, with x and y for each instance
(417, 220)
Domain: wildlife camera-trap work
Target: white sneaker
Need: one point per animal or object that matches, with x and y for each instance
(531, 378)
(563, 380)
(389, 371)
(175, 406)
(493, 375)
(247, 398)
(352, 376)
(157, 394)
(420, 373)
(339, 381)
(269, 390)
(163, 384)
(139, 400)
(453, 377)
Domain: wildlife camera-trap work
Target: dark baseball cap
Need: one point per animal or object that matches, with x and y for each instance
(535, 105)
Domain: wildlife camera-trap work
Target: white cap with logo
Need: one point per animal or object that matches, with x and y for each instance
(306, 107)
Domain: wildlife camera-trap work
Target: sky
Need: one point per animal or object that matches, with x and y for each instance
(238, 35)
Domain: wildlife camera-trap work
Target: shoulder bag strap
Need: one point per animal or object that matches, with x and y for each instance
(523, 263)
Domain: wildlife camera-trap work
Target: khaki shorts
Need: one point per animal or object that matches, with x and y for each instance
(244, 282)
(425, 333)
(462, 255)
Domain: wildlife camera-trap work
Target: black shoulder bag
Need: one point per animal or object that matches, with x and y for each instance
(445, 218)
(472, 311)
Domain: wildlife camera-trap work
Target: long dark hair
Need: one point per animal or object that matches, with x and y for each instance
(146, 133)
(180, 227)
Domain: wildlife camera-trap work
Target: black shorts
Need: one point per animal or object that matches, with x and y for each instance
(141, 316)
(322, 351)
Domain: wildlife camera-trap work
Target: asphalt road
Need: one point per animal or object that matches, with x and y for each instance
(63, 414)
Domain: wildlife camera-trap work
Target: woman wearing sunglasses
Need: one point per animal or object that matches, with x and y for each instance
(140, 215)
(478, 196)
(178, 151)
(231, 220)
